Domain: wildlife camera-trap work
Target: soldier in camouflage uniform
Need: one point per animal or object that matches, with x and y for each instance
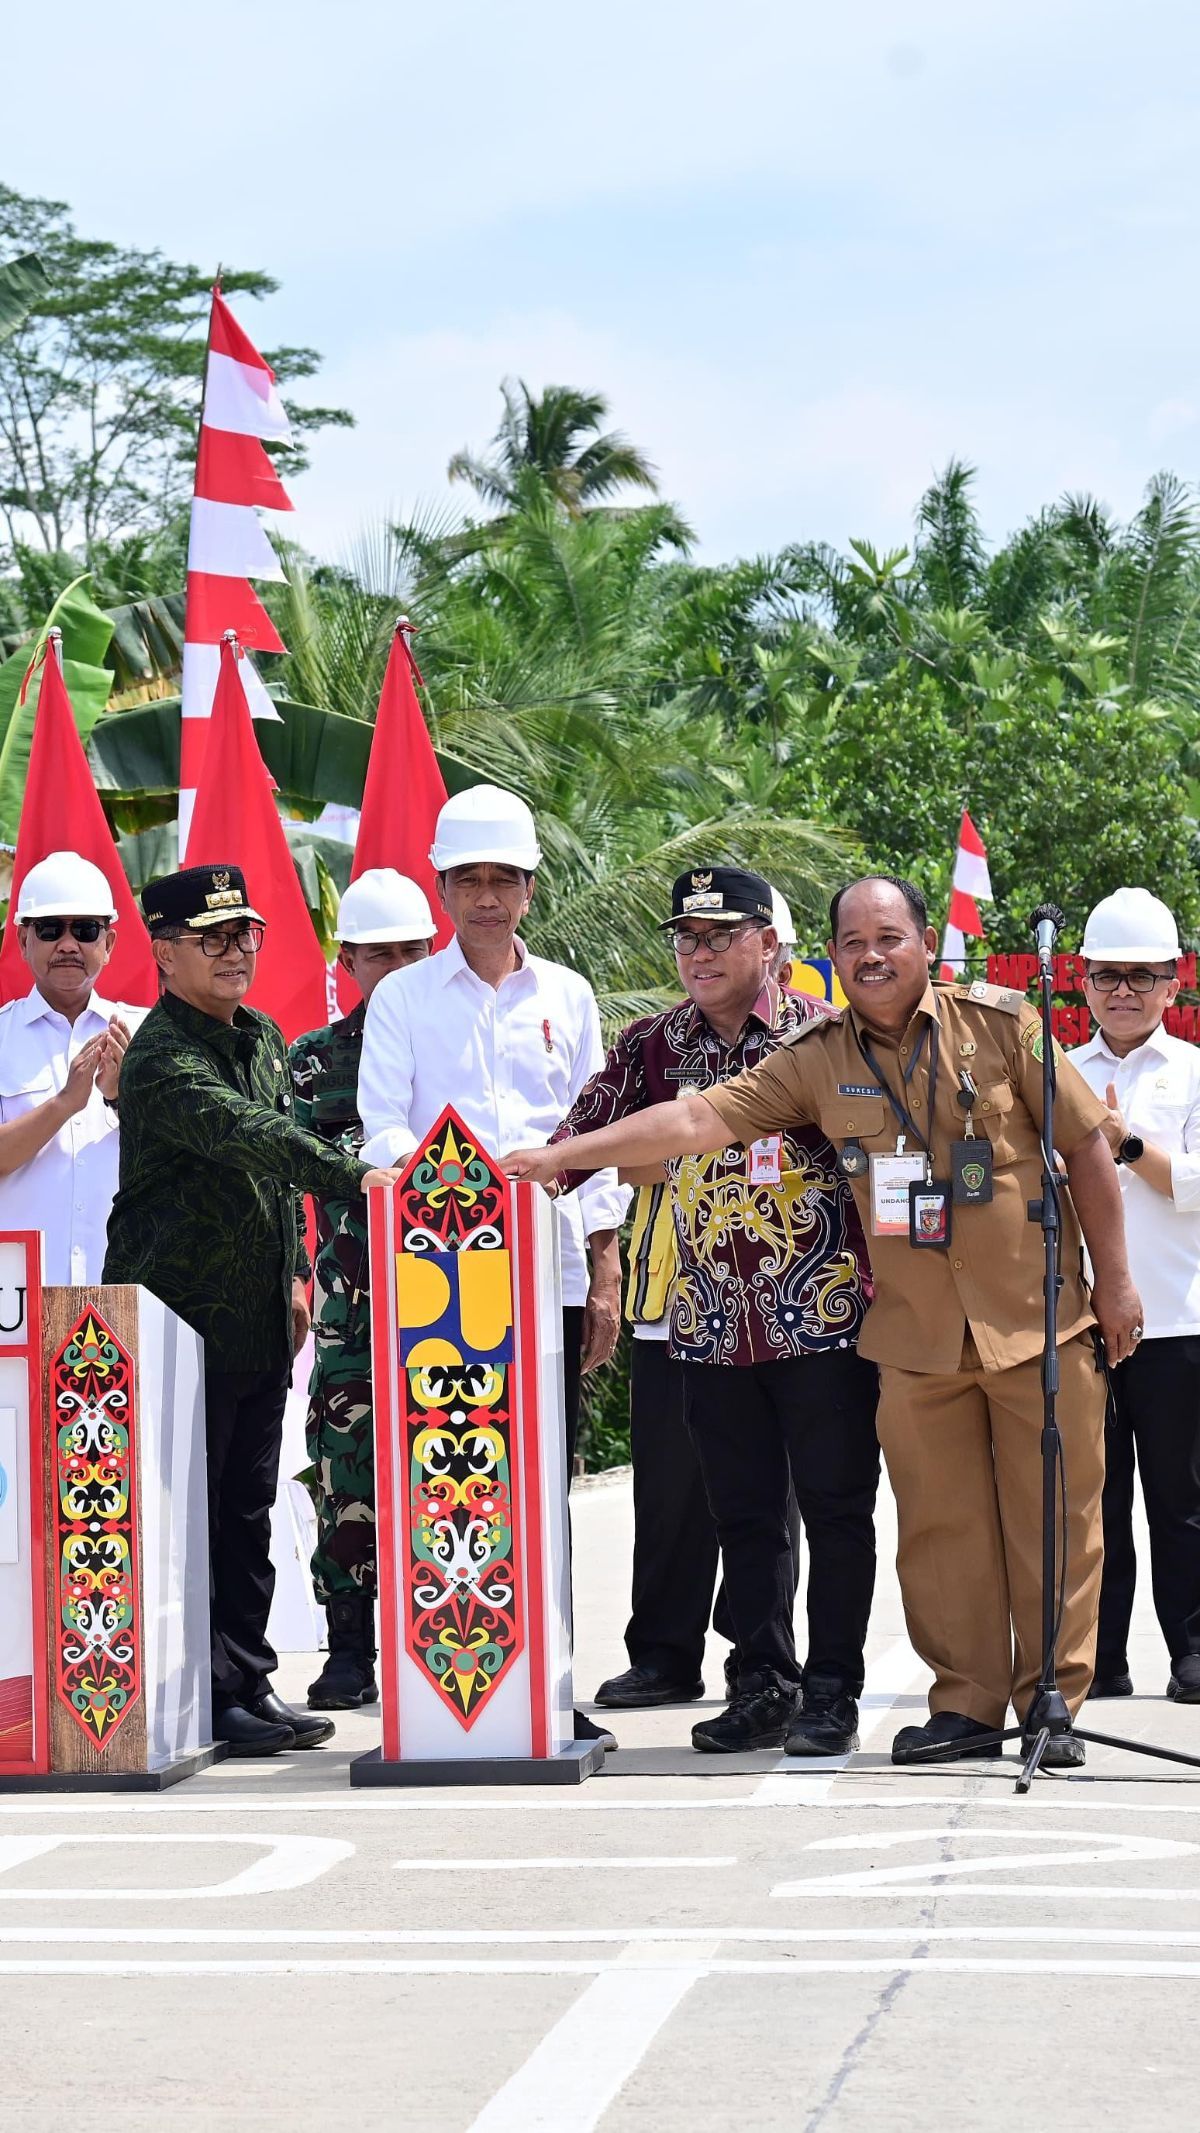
(384, 922)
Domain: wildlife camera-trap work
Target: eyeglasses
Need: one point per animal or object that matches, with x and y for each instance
(685, 942)
(248, 939)
(1138, 980)
(80, 929)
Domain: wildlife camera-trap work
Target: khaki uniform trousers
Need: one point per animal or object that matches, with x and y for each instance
(965, 1459)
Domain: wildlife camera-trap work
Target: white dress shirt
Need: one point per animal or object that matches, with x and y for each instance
(511, 1058)
(67, 1190)
(1158, 1094)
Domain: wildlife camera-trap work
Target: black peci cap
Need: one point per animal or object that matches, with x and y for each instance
(198, 897)
(720, 896)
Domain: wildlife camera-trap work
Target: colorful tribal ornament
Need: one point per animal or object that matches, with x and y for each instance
(97, 1672)
(463, 1621)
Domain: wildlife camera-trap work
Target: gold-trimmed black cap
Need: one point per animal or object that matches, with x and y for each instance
(719, 896)
(198, 897)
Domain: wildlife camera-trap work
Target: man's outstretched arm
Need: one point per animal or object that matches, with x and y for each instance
(690, 1125)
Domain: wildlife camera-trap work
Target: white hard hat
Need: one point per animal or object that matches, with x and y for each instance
(65, 886)
(383, 905)
(1131, 926)
(485, 823)
(781, 919)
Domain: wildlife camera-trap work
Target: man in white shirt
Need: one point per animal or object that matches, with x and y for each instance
(510, 1040)
(60, 1058)
(1151, 1084)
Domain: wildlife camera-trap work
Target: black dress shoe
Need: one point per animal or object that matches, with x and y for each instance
(757, 1718)
(1184, 1685)
(307, 1730)
(639, 1687)
(244, 1734)
(1117, 1684)
(826, 1723)
(943, 1730)
(587, 1729)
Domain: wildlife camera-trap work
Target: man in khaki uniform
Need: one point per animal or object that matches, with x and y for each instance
(957, 1321)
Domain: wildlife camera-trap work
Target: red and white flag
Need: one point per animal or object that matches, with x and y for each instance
(235, 479)
(972, 886)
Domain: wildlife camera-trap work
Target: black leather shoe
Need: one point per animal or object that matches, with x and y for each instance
(587, 1729)
(245, 1734)
(756, 1718)
(940, 1731)
(1112, 1685)
(640, 1687)
(826, 1723)
(1184, 1685)
(307, 1732)
(1062, 1751)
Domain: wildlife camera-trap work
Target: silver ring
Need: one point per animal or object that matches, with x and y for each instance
(1136, 1335)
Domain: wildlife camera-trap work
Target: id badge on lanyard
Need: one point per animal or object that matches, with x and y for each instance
(906, 1199)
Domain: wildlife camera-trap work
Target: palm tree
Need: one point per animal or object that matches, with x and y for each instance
(544, 437)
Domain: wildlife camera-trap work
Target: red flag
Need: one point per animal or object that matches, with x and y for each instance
(61, 812)
(236, 819)
(403, 794)
(971, 887)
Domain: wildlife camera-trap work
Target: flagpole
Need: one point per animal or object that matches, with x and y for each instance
(54, 644)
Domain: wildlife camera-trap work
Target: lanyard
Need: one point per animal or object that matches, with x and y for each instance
(901, 1109)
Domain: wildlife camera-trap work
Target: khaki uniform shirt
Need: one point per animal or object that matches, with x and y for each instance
(990, 1278)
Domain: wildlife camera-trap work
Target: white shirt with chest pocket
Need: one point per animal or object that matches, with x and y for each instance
(1158, 1095)
(67, 1189)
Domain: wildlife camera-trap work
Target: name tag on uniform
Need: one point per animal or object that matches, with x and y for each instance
(891, 1176)
(766, 1160)
(971, 1172)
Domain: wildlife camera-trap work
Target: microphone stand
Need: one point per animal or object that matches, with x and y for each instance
(1048, 1717)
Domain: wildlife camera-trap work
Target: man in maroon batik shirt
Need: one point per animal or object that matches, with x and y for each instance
(771, 1290)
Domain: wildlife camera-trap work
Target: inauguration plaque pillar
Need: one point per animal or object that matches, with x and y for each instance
(104, 1675)
(471, 1480)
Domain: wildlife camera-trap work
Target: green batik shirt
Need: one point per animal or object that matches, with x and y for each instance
(209, 1211)
(325, 1073)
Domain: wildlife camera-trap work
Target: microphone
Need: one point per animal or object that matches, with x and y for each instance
(1047, 921)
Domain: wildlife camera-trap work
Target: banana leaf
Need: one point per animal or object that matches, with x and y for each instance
(87, 633)
(22, 282)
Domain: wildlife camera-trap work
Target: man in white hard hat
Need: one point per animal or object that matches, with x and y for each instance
(510, 1040)
(60, 1059)
(1151, 1084)
(384, 924)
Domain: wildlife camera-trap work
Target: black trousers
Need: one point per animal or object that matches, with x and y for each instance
(244, 1430)
(1153, 1422)
(814, 1417)
(676, 1557)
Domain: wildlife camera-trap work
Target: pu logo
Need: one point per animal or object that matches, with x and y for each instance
(14, 1325)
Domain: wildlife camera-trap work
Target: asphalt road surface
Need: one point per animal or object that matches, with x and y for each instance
(684, 1941)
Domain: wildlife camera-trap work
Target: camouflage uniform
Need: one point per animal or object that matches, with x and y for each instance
(340, 1429)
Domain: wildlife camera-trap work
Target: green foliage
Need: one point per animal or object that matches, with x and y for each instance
(99, 385)
(542, 437)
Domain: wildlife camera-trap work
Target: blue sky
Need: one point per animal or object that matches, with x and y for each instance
(807, 255)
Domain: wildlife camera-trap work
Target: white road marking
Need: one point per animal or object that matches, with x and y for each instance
(587, 1937)
(890, 1676)
(1102, 1848)
(286, 1863)
(628, 2006)
(541, 1866)
(1086, 1796)
(585, 2059)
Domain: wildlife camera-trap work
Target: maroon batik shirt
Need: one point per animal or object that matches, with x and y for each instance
(766, 1271)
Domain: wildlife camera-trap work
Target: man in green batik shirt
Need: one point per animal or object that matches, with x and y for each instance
(207, 1216)
(384, 922)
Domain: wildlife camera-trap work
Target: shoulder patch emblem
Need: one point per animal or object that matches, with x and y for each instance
(978, 994)
(806, 1029)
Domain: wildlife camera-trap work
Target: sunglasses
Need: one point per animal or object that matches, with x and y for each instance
(80, 929)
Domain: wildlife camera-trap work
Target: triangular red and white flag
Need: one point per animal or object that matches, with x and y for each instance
(403, 792)
(236, 820)
(61, 812)
(971, 886)
(227, 546)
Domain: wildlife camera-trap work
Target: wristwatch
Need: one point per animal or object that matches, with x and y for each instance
(1132, 1148)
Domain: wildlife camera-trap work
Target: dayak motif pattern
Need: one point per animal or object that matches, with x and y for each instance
(97, 1671)
(464, 1618)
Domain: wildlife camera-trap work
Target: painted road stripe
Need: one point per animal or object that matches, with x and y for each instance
(1078, 1796)
(799, 1966)
(542, 1866)
(591, 2051)
(589, 1936)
